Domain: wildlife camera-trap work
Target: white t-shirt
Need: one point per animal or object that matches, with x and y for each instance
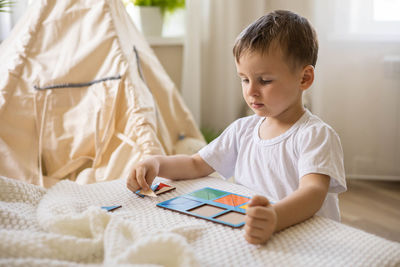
(275, 166)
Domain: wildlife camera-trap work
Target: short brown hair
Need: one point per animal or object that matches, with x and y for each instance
(295, 35)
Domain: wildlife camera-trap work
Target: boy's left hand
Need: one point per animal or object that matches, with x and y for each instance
(261, 220)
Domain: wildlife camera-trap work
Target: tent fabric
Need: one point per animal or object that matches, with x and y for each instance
(83, 96)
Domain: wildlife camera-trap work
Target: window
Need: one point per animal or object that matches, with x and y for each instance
(367, 19)
(386, 10)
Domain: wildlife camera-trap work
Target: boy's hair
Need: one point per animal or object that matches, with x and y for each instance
(293, 33)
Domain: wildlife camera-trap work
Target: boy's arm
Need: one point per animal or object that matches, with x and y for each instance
(304, 202)
(172, 167)
(183, 167)
(263, 219)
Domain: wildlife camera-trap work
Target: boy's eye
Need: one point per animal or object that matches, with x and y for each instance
(265, 81)
(245, 80)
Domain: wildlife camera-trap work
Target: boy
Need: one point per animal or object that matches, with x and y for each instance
(283, 151)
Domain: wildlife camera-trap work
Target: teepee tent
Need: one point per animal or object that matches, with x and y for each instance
(83, 96)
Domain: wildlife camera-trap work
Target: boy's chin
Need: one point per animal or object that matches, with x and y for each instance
(260, 113)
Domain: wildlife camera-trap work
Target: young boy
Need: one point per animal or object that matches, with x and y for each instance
(283, 151)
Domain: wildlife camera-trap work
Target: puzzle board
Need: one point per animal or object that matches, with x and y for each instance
(156, 189)
(211, 204)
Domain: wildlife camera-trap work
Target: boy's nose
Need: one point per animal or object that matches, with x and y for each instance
(252, 89)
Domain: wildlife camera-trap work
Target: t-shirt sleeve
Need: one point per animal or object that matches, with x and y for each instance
(221, 153)
(321, 152)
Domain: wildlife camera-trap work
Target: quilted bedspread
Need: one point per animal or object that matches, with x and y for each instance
(65, 226)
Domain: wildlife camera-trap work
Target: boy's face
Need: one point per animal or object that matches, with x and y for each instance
(270, 87)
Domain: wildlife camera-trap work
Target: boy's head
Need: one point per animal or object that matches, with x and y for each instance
(292, 33)
(275, 59)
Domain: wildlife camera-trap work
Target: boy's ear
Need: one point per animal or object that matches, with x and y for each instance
(307, 77)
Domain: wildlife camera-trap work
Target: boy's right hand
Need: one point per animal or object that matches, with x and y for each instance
(261, 220)
(143, 174)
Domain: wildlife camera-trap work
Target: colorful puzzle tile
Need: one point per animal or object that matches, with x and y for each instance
(142, 193)
(162, 188)
(206, 210)
(207, 193)
(111, 208)
(161, 185)
(180, 203)
(231, 217)
(211, 204)
(232, 200)
(156, 189)
(244, 206)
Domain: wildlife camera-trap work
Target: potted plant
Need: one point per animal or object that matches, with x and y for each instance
(151, 13)
(4, 4)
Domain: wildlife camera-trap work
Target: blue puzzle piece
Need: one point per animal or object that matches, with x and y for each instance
(111, 208)
(153, 187)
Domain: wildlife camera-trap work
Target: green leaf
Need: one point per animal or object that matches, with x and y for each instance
(165, 5)
(4, 4)
(209, 133)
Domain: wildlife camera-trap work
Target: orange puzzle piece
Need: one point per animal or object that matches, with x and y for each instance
(232, 200)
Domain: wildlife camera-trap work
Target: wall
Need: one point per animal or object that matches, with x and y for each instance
(354, 95)
(358, 92)
(170, 56)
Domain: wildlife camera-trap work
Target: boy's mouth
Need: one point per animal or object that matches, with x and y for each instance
(257, 105)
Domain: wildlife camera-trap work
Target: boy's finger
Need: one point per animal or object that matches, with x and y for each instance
(150, 177)
(258, 201)
(132, 184)
(258, 212)
(254, 232)
(131, 181)
(132, 176)
(141, 178)
(256, 222)
(132, 187)
(252, 240)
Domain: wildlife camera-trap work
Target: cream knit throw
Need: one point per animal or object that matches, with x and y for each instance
(40, 228)
(64, 226)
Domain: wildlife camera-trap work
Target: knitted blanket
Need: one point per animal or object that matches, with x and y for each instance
(65, 226)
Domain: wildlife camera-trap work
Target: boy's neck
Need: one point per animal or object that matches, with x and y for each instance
(272, 127)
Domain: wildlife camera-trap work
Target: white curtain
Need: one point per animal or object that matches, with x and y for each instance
(210, 85)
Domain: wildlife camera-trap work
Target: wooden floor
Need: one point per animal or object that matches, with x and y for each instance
(373, 206)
